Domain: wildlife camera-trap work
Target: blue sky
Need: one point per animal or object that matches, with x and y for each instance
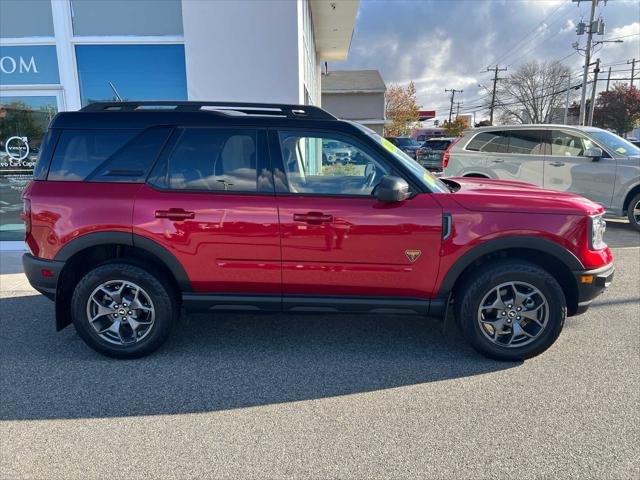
(449, 43)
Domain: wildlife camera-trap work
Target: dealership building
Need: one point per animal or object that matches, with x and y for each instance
(58, 55)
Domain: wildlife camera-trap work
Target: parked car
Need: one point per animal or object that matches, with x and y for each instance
(407, 144)
(333, 152)
(430, 154)
(135, 214)
(587, 161)
(634, 141)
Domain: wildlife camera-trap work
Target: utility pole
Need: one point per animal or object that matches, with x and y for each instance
(608, 79)
(633, 68)
(453, 95)
(593, 92)
(587, 60)
(457, 109)
(566, 105)
(493, 94)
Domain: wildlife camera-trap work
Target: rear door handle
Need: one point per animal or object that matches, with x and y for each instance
(497, 161)
(312, 218)
(176, 214)
(556, 164)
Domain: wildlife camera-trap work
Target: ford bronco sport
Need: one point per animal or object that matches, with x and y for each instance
(139, 210)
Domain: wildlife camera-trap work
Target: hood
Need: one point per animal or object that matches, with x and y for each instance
(483, 194)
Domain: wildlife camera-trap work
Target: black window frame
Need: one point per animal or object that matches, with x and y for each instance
(158, 175)
(275, 148)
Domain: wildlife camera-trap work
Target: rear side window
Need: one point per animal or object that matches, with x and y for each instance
(208, 159)
(527, 142)
(489, 142)
(106, 155)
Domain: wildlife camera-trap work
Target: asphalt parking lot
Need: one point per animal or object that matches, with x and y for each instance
(274, 396)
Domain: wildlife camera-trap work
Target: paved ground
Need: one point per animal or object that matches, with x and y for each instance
(316, 396)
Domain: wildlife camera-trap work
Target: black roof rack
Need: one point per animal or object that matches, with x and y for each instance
(223, 108)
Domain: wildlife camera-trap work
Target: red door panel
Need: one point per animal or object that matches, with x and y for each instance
(227, 243)
(358, 246)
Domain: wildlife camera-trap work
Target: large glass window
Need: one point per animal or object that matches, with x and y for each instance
(135, 72)
(23, 123)
(126, 17)
(207, 159)
(26, 18)
(328, 166)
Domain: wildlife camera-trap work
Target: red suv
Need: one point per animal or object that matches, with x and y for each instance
(139, 209)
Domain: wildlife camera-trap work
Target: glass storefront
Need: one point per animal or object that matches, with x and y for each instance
(23, 123)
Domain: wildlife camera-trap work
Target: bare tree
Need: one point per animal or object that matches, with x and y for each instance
(534, 93)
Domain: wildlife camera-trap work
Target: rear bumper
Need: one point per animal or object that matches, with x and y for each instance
(42, 274)
(588, 290)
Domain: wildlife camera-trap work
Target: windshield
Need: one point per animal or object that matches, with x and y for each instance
(406, 142)
(420, 174)
(615, 143)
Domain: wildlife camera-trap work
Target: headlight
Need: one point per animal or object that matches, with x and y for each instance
(597, 227)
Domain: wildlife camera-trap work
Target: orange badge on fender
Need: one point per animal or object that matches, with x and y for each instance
(412, 255)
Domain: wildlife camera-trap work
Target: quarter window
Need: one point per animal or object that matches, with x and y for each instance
(207, 159)
(328, 166)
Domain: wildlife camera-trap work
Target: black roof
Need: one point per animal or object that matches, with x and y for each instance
(146, 114)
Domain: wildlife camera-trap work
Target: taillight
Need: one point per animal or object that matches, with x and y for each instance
(26, 216)
(446, 154)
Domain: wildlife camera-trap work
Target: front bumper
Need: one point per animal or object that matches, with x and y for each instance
(42, 274)
(600, 279)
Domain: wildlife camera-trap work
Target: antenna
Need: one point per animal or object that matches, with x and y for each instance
(113, 87)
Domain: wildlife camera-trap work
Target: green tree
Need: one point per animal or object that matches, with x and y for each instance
(618, 109)
(17, 118)
(402, 109)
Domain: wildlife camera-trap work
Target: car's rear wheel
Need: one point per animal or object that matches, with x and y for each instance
(123, 311)
(633, 212)
(511, 310)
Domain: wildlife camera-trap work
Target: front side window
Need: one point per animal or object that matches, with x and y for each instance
(527, 142)
(489, 142)
(328, 166)
(217, 160)
(567, 145)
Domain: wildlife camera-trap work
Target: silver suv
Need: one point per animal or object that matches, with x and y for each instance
(587, 161)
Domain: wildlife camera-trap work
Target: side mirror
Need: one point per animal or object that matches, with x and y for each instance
(392, 189)
(593, 153)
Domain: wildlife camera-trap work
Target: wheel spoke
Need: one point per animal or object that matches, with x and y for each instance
(532, 314)
(102, 310)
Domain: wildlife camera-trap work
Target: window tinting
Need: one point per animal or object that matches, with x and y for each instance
(214, 160)
(313, 166)
(527, 142)
(127, 17)
(132, 162)
(80, 152)
(490, 142)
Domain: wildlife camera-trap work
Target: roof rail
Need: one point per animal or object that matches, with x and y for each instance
(224, 108)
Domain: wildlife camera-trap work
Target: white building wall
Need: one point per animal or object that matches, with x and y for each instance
(243, 50)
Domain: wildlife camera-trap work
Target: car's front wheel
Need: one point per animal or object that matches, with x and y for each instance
(633, 212)
(511, 310)
(123, 311)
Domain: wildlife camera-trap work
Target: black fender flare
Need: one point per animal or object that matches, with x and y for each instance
(133, 240)
(542, 245)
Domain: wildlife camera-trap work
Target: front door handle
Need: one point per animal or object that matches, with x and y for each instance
(556, 164)
(312, 218)
(497, 161)
(175, 214)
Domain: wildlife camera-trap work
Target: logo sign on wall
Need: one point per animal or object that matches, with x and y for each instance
(29, 65)
(17, 148)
